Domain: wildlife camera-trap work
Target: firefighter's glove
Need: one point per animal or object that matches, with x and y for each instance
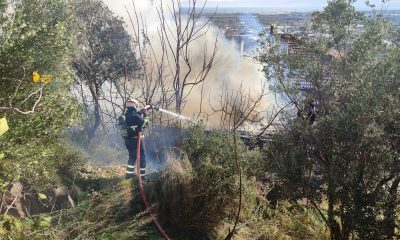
(144, 112)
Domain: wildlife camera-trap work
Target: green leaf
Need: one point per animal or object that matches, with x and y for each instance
(45, 222)
(42, 196)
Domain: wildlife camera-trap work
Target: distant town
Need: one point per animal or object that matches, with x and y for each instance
(244, 28)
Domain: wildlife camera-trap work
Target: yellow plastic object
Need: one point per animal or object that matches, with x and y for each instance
(36, 77)
(3, 126)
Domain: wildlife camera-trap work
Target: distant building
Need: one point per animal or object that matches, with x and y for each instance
(291, 44)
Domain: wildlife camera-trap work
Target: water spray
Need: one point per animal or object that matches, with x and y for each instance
(176, 115)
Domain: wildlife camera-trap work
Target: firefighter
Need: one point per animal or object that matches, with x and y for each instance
(136, 120)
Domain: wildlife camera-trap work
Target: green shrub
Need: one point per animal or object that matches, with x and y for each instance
(198, 187)
(15, 228)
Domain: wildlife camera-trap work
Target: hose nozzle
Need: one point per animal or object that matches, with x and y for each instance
(152, 106)
(155, 107)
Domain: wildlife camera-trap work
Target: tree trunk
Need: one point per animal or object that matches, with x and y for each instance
(334, 227)
(346, 229)
(178, 102)
(390, 213)
(91, 129)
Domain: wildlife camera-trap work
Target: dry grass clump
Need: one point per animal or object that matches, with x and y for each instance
(189, 202)
(285, 222)
(292, 222)
(106, 216)
(105, 213)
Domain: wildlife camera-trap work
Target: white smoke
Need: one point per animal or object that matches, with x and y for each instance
(229, 66)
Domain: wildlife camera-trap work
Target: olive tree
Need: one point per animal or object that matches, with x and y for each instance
(345, 75)
(105, 60)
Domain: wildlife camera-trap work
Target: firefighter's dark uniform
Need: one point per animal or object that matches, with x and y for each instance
(135, 121)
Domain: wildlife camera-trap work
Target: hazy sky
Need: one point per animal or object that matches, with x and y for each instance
(311, 4)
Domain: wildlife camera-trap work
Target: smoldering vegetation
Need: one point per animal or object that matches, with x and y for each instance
(194, 195)
(211, 65)
(319, 163)
(218, 80)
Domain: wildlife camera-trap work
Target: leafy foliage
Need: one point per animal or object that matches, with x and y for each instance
(36, 36)
(105, 56)
(15, 228)
(198, 188)
(350, 155)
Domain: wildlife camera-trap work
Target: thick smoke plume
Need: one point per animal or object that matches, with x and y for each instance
(230, 72)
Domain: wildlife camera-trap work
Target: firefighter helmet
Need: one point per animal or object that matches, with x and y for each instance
(133, 103)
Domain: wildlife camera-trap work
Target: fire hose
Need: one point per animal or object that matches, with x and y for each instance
(142, 193)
